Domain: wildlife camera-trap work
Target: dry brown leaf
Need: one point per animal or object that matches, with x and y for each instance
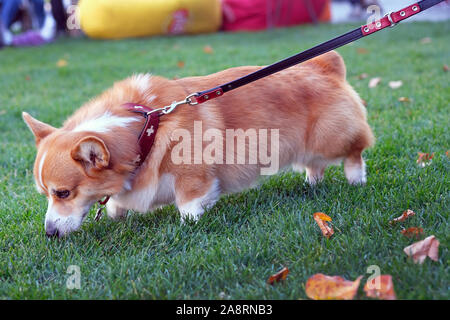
(61, 63)
(180, 64)
(445, 67)
(27, 78)
(279, 276)
(208, 49)
(321, 219)
(412, 232)
(447, 153)
(380, 287)
(395, 84)
(406, 214)
(404, 99)
(362, 51)
(363, 76)
(323, 287)
(374, 82)
(424, 159)
(429, 247)
(426, 40)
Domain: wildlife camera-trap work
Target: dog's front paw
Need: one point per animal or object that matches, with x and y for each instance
(190, 215)
(114, 211)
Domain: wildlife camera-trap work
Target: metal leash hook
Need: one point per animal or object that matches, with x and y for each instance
(168, 109)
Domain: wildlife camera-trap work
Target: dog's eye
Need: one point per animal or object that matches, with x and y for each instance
(62, 194)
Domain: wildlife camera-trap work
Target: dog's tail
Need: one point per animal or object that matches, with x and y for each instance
(330, 63)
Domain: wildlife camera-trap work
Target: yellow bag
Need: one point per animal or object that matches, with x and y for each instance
(115, 19)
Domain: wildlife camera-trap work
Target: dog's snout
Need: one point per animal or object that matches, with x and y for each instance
(51, 230)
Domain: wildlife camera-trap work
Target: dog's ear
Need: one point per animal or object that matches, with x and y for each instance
(92, 153)
(38, 128)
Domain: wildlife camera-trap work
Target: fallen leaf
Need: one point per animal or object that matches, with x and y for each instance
(322, 216)
(404, 99)
(323, 287)
(362, 51)
(321, 219)
(425, 40)
(395, 84)
(208, 49)
(380, 287)
(445, 67)
(61, 63)
(180, 64)
(447, 153)
(279, 276)
(429, 247)
(412, 232)
(374, 82)
(28, 78)
(406, 214)
(363, 76)
(424, 159)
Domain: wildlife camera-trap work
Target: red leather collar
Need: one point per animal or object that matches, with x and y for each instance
(145, 140)
(148, 133)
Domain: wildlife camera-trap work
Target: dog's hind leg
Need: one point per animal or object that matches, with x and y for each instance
(355, 168)
(194, 195)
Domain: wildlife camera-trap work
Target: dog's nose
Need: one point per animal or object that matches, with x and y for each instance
(50, 229)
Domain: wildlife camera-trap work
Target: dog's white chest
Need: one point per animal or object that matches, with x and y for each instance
(151, 196)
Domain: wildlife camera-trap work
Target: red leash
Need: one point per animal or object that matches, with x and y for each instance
(148, 133)
(390, 20)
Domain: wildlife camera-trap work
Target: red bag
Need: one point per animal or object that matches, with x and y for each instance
(262, 14)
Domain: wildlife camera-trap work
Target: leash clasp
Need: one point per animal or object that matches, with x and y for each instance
(168, 109)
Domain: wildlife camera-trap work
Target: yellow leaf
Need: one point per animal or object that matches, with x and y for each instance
(321, 219)
(323, 287)
(61, 63)
(322, 216)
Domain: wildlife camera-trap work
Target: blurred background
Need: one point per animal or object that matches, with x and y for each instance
(37, 22)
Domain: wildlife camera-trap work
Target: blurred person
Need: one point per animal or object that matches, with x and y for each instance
(44, 33)
(359, 7)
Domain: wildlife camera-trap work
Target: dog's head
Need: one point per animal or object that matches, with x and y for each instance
(73, 170)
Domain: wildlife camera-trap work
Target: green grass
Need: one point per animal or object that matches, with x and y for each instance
(248, 236)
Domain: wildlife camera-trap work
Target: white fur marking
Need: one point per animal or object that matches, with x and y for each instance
(141, 81)
(104, 123)
(41, 164)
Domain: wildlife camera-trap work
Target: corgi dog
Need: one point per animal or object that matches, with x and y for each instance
(306, 117)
